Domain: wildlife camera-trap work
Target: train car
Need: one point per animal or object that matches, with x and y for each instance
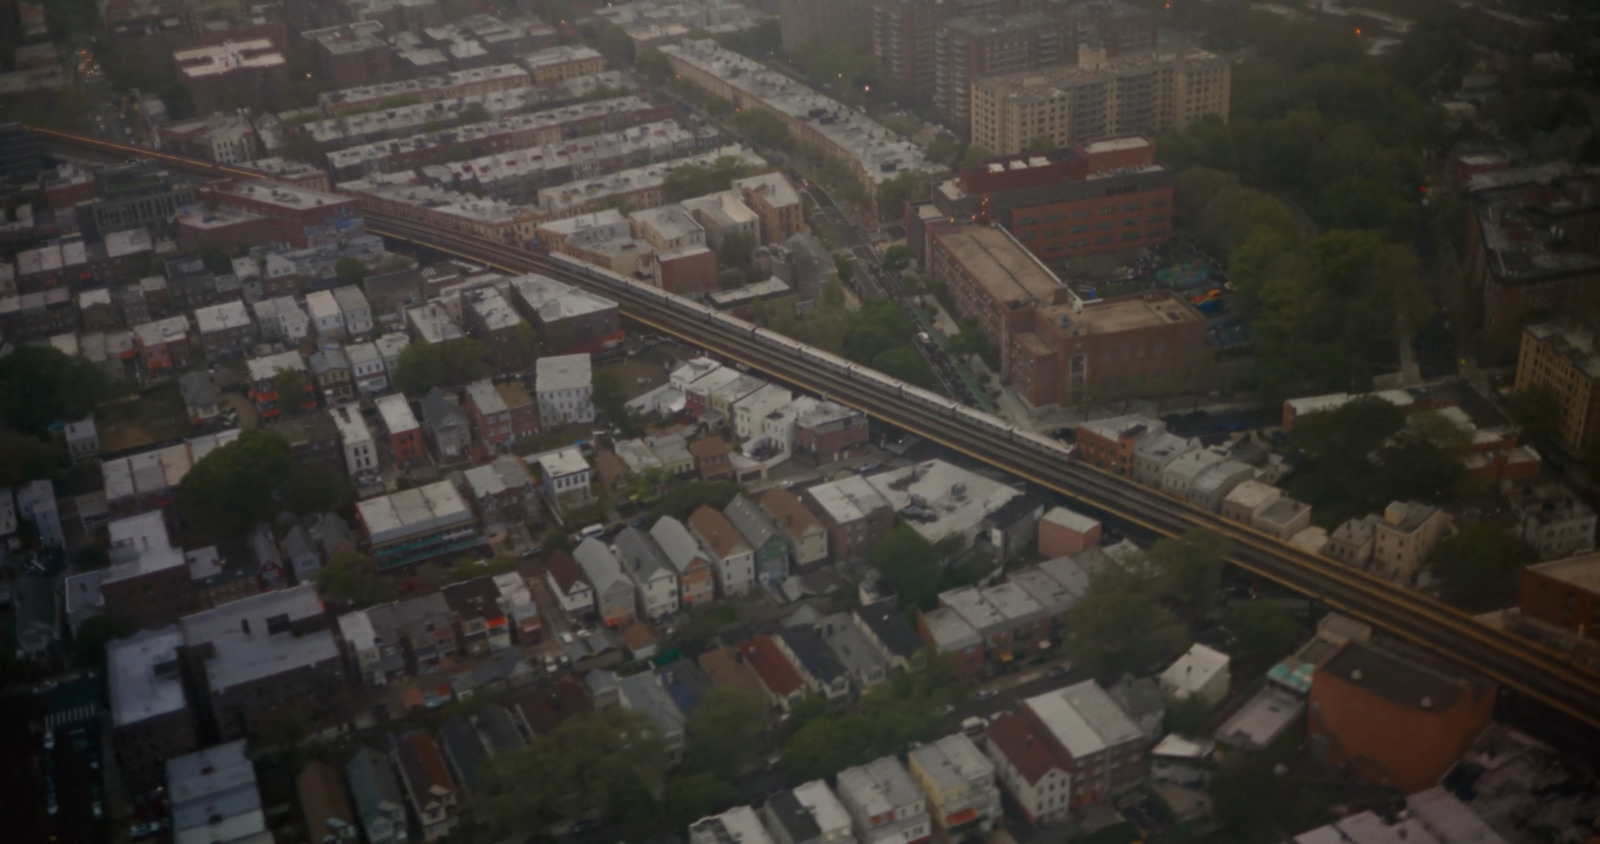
(1049, 448)
(983, 421)
(728, 321)
(768, 337)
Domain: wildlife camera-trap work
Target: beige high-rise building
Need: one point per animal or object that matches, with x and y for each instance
(1099, 98)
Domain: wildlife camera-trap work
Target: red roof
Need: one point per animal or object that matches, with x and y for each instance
(563, 570)
(1012, 736)
(774, 669)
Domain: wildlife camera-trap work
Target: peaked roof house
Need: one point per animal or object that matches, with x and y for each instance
(567, 583)
(427, 782)
(783, 682)
(463, 750)
(824, 675)
(447, 425)
(614, 592)
(766, 542)
(328, 816)
(377, 797)
(734, 560)
(805, 533)
(693, 565)
(654, 577)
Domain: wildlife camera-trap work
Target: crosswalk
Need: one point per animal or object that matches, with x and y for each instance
(65, 717)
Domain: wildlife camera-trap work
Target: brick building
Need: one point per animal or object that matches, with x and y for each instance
(854, 514)
(1100, 196)
(1564, 594)
(488, 317)
(150, 717)
(234, 74)
(1394, 719)
(1562, 357)
(350, 55)
(1531, 244)
(1099, 97)
(296, 216)
(254, 656)
(226, 330)
(568, 320)
(777, 205)
(1095, 741)
(1054, 347)
(1110, 443)
(314, 439)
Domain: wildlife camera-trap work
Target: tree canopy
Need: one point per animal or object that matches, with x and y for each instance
(423, 366)
(40, 386)
(350, 270)
(1479, 566)
(351, 578)
(251, 479)
(694, 180)
(1361, 456)
(726, 732)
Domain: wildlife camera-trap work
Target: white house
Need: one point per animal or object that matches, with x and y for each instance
(367, 368)
(354, 309)
(564, 388)
(326, 318)
(1201, 672)
(360, 454)
(749, 411)
(565, 476)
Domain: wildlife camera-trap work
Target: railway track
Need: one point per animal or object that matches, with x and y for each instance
(1570, 688)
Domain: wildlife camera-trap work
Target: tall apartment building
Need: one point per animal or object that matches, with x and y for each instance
(150, 717)
(1561, 356)
(1531, 244)
(966, 49)
(801, 22)
(1099, 97)
(903, 33)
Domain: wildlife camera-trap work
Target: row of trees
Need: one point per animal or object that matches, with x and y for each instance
(877, 334)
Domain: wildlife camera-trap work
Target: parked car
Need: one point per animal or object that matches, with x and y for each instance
(985, 694)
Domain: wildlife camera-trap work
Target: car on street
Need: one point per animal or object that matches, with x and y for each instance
(1056, 672)
(49, 739)
(985, 694)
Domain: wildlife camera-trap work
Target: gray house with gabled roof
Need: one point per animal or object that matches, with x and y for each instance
(446, 425)
(655, 580)
(614, 591)
(377, 797)
(762, 534)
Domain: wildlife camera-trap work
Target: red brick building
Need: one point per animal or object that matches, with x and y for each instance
(295, 215)
(1109, 443)
(351, 55)
(1564, 594)
(1531, 246)
(826, 432)
(1099, 197)
(1394, 719)
(854, 513)
(685, 270)
(406, 444)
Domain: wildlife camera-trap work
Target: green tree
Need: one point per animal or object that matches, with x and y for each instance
(832, 296)
(911, 563)
(25, 457)
(736, 250)
(684, 499)
(726, 732)
(580, 769)
(894, 193)
(290, 385)
(844, 268)
(1537, 409)
(91, 557)
(974, 156)
(40, 386)
(612, 403)
(652, 64)
(1189, 570)
(91, 639)
(1264, 632)
(215, 259)
(300, 146)
(1479, 566)
(473, 113)
(350, 270)
(314, 488)
(419, 368)
(896, 258)
(904, 364)
(1115, 633)
(1041, 144)
(524, 346)
(1191, 717)
(719, 106)
(457, 153)
(762, 127)
(351, 578)
(237, 485)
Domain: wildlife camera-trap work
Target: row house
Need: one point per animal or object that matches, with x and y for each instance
(367, 369)
(326, 319)
(429, 788)
(696, 572)
(805, 534)
(360, 452)
(163, 346)
(784, 684)
(354, 310)
(446, 425)
(733, 558)
(570, 586)
(379, 801)
(1101, 749)
(656, 579)
(226, 330)
(400, 425)
(480, 621)
(1005, 615)
(568, 320)
(959, 781)
(330, 372)
(503, 493)
(810, 655)
(1030, 772)
(855, 515)
(614, 591)
(565, 477)
(884, 802)
(502, 412)
(487, 317)
(865, 664)
(769, 551)
(415, 525)
(314, 439)
(711, 459)
(282, 318)
(262, 373)
(35, 316)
